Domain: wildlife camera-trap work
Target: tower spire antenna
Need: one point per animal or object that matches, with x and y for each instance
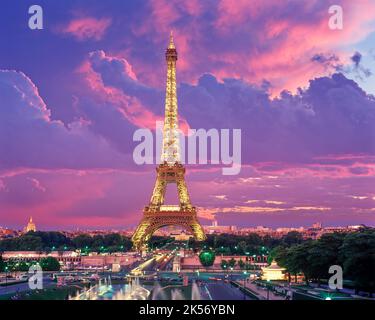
(171, 42)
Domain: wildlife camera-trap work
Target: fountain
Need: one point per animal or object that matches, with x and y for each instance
(195, 293)
(158, 293)
(132, 291)
(177, 295)
(101, 289)
(104, 290)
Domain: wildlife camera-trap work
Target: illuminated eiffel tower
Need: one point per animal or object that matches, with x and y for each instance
(157, 215)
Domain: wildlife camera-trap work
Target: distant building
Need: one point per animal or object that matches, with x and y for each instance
(317, 225)
(216, 229)
(181, 236)
(30, 226)
(7, 233)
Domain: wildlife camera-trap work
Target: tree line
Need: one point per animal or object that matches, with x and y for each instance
(354, 252)
(251, 244)
(50, 241)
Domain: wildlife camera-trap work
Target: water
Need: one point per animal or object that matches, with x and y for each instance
(104, 290)
(177, 295)
(158, 293)
(195, 292)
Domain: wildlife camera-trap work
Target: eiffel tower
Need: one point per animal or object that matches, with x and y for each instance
(157, 215)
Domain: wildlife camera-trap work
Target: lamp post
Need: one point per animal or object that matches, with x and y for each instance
(244, 284)
(268, 289)
(253, 267)
(6, 279)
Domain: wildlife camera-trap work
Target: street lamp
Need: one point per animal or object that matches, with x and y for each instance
(254, 256)
(6, 279)
(268, 289)
(244, 286)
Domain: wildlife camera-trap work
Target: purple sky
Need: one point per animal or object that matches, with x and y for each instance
(72, 95)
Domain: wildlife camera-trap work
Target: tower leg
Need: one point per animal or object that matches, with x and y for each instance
(198, 232)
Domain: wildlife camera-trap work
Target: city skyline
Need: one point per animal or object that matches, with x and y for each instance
(302, 95)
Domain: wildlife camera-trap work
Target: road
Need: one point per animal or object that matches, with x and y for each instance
(224, 291)
(23, 286)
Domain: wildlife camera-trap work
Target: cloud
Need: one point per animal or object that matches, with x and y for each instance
(356, 58)
(332, 116)
(30, 138)
(359, 70)
(37, 185)
(330, 61)
(237, 39)
(87, 28)
(210, 213)
(221, 197)
(2, 185)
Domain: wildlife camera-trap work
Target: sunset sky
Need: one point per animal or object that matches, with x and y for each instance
(72, 95)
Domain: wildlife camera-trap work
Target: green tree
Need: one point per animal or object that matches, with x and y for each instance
(292, 238)
(242, 247)
(2, 264)
(224, 264)
(241, 264)
(232, 263)
(112, 239)
(323, 253)
(358, 255)
(29, 242)
(82, 241)
(22, 266)
(207, 258)
(296, 260)
(49, 264)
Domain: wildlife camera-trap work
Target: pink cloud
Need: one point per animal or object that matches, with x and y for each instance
(37, 185)
(265, 39)
(130, 108)
(88, 28)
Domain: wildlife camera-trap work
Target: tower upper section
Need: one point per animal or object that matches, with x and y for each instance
(171, 145)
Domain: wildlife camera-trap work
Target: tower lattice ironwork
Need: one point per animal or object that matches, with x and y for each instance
(157, 215)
